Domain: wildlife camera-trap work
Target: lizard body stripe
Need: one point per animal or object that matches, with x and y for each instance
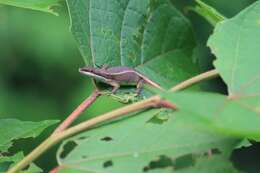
(139, 74)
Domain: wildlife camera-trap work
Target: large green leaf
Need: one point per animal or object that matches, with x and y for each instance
(40, 5)
(144, 34)
(236, 43)
(12, 129)
(129, 146)
(219, 113)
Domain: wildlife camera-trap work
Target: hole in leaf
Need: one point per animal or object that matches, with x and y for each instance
(183, 161)
(67, 148)
(212, 152)
(159, 118)
(107, 138)
(216, 151)
(162, 162)
(107, 164)
(82, 138)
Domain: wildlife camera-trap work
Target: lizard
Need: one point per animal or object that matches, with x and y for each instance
(118, 75)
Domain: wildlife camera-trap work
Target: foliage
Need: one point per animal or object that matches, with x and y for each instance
(140, 140)
(129, 33)
(13, 129)
(157, 39)
(41, 5)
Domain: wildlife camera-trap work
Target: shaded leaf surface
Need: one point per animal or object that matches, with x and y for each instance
(40, 5)
(136, 141)
(7, 161)
(12, 129)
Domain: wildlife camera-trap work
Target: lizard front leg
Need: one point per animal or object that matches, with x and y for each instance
(139, 86)
(104, 67)
(114, 84)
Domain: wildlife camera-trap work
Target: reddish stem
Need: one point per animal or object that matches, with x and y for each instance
(85, 104)
(166, 104)
(54, 170)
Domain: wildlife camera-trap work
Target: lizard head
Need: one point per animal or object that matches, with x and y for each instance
(87, 70)
(96, 73)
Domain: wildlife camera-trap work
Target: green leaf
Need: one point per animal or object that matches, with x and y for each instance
(40, 5)
(136, 142)
(12, 129)
(79, 26)
(147, 35)
(218, 113)
(236, 44)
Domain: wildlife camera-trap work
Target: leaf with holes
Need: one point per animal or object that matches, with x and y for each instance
(236, 43)
(215, 164)
(13, 129)
(136, 142)
(151, 36)
(40, 5)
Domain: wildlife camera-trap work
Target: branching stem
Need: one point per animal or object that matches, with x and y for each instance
(154, 101)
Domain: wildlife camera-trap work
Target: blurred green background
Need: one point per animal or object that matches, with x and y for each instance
(39, 77)
(39, 66)
(39, 63)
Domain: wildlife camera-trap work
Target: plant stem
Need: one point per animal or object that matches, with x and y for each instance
(85, 104)
(201, 77)
(207, 12)
(54, 170)
(154, 101)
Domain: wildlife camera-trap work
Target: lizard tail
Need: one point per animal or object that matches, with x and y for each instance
(152, 83)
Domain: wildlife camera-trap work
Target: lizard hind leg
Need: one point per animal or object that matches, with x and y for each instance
(115, 85)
